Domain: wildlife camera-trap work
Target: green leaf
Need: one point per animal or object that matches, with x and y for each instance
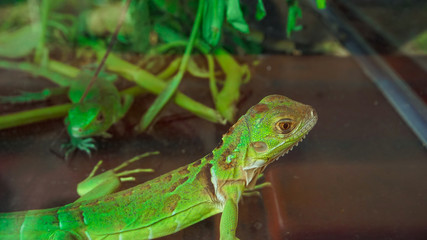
(173, 39)
(213, 18)
(167, 34)
(321, 4)
(141, 23)
(235, 16)
(260, 11)
(21, 42)
(294, 12)
(171, 7)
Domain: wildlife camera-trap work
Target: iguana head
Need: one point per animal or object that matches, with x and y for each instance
(87, 119)
(275, 125)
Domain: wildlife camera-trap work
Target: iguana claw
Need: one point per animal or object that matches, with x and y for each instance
(83, 144)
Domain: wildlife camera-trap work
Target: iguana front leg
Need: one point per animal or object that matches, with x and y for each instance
(84, 144)
(229, 217)
(95, 186)
(228, 224)
(252, 190)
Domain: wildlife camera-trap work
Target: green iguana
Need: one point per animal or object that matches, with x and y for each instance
(165, 205)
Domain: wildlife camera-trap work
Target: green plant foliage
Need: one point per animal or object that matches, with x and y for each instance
(141, 25)
(166, 33)
(260, 11)
(155, 27)
(294, 12)
(171, 7)
(213, 18)
(166, 95)
(321, 4)
(235, 16)
(21, 42)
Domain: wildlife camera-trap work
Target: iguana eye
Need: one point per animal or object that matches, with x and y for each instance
(285, 126)
(100, 117)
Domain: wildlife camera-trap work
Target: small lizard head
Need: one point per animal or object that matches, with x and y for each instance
(85, 120)
(275, 125)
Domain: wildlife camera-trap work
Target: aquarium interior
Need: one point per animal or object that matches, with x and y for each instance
(359, 174)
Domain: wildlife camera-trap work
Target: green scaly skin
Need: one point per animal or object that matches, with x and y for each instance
(187, 195)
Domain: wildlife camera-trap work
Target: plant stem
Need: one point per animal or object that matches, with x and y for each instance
(166, 94)
(32, 116)
(155, 85)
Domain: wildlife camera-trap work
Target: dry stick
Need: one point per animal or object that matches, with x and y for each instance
(110, 46)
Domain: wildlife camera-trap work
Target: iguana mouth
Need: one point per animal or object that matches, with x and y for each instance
(289, 148)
